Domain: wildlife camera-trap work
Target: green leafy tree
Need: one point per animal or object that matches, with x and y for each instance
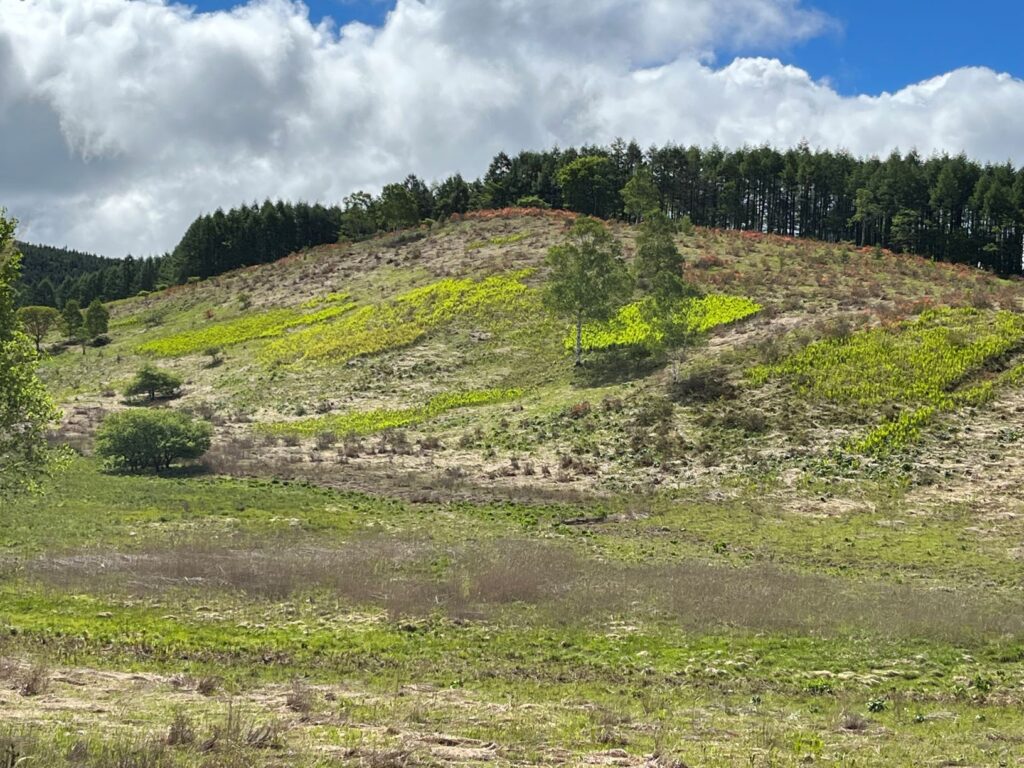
(139, 440)
(588, 185)
(38, 322)
(153, 383)
(904, 229)
(451, 196)
(26, 411)
(588, 279)
(659, 264)
(359, 217)
(640, 195)
(97, 319)
(398, 207)
(72, 319)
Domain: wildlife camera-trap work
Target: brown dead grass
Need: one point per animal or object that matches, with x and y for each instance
(399, 578)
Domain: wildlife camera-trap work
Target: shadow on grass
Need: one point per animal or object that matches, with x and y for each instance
(616, 366)
(183, 472)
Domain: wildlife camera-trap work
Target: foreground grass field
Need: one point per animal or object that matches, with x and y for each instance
(339, 627)
(422, 538)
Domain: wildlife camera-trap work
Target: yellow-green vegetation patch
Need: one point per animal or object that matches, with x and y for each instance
(401, 322)
(702, 314)
(263, 325)
(917, 362)
(893, 435)
(377, 420)
(636, 324)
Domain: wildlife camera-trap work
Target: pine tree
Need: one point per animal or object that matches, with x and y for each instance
(97, 319)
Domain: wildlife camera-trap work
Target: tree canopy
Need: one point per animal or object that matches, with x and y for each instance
(947, 207)
(588, 278)
(153, 382)
(26, 411)
(155, 439)
(38, 322)
(97, 319)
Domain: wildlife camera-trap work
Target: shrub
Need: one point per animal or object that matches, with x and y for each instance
(532, 201)
(153, 439)
(154, 383)
(703, 386)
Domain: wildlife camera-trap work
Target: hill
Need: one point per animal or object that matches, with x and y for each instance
(838, 348)
(422, 536)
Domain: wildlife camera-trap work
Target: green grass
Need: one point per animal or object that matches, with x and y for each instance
(378, 420)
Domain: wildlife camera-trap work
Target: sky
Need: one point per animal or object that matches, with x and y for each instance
(122, 120)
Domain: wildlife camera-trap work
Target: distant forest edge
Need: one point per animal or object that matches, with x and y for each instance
(50, 276)
(948, 208)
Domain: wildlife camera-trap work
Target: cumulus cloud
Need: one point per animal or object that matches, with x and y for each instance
(121, 120)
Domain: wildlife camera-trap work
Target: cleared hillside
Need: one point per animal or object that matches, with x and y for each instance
(818, 354)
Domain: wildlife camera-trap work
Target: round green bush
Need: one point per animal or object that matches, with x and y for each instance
(137, 440)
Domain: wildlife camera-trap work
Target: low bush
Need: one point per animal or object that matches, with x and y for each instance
(702, 386)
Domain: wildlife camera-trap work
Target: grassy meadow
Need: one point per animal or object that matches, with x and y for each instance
(423, 538)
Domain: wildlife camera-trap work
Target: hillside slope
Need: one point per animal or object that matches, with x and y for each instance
(854, 360)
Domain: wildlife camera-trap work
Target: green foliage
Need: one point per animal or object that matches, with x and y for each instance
(716, 309)
(915, 363)
(639, 324)
(640, 195)
(72, 320)
(140, 439)
(97, 319)
(330, 298)
(659, 269)
(26, 411)
(589, 185)
(153, 382)
(403, 321)
(893, 436)
(264, 325)
(532, 201)
(368, 422)
(359, 217)
(38, 322)
(250, 234)
(918, 363)
(397, 207)
(587, 279)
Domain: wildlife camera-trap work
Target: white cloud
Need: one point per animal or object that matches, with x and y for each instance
(120, 121)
